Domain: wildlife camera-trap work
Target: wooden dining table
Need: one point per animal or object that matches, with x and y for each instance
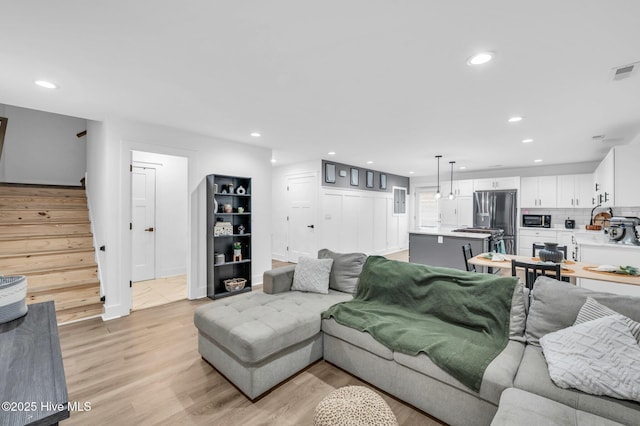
(569, 269)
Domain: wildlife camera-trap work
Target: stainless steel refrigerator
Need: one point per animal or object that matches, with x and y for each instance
(497, 210)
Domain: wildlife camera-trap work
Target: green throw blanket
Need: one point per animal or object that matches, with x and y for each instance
(459, 319)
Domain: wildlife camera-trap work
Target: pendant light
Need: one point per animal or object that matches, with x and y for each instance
(438, 194)
(451, 196)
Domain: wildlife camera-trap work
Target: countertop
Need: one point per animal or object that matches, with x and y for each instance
(447, 231)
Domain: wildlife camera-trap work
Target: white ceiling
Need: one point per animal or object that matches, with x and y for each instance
(382, 81)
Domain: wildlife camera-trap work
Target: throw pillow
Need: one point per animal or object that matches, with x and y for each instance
(312, 275)
(346, 269)
(593, 310)
(599, 357)
(555, 305)
(518, 313)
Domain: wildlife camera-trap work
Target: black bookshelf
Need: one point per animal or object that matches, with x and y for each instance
(229, 206)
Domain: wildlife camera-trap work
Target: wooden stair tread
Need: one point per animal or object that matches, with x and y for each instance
(42, 271)
(16, 237)
(54, 287)
(46, 253)
(48, 244)
(41, 191)
(23, 230)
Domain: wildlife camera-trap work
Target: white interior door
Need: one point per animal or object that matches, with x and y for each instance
(302, 194)
(143, 214)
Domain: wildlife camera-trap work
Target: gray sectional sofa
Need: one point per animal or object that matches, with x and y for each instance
(257, 340)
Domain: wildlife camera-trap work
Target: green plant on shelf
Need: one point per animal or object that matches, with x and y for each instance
(237, 245)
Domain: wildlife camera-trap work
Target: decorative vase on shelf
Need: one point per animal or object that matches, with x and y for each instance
(550, 253)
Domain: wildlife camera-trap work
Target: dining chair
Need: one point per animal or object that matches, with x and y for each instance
(466, 252)
(536, 247)
(563, 249)
(534, 270)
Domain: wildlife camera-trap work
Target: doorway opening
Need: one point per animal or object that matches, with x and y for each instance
(159, 229)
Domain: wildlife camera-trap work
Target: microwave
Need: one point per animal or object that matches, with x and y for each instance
(536, 220)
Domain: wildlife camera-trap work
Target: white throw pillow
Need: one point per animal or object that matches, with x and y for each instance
(312, 275)
(593, 310)
(599, 357)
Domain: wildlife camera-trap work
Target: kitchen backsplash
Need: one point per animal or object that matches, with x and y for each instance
(581, 216)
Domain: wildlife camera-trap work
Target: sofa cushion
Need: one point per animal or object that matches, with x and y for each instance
(255, 325)
(555, 305)
(361, 339)
(518, 407)
(599, 357)
(518, 313)
(533, 376)
(497, 377)
(592, 310)
(345, 271)
(312, 275)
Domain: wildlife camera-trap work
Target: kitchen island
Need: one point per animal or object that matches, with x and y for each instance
(441, 246)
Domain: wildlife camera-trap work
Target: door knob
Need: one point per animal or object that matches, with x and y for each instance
(310, 226)
(149, 229)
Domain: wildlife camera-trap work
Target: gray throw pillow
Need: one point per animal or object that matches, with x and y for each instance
(592, 310)
(555, 305)
(346, 269)
(312, 275)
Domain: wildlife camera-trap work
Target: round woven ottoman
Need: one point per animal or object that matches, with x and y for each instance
(353, 406)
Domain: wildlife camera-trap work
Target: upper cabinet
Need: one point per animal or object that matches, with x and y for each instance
(460, 188)
(494, 184)
(627, 176)
(575, 191)
(538, 192)
(603, 180)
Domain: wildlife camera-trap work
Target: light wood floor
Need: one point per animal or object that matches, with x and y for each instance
(145, 369)
(158, 292)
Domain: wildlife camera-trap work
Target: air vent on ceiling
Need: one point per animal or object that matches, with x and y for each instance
(625, 71)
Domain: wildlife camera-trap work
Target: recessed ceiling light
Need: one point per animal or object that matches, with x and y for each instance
(273, 160)
(537, 160)
(515, 119)
(255, 134)
(46, 84)
(480, 58)
(463, 167)
(527, 140)
(332, 153)
(369, 162)
(411, 173)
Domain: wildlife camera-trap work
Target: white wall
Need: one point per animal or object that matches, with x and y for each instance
(42, 148)
(348, 220)
(206, 155)
(171, 222)
(361, 221)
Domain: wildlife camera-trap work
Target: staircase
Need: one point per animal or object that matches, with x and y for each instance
(45, 234)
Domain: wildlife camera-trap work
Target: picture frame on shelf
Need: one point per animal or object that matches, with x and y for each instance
(369, 182)
(355, 177)
(329, 173)
(383, 181)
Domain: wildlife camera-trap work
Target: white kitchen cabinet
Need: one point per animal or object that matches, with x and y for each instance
(566, 238)
(527, 237)
(575, 191)
(627, 176)
(538, 191)
(462, 188)
(457, 212)
(603, 179)
(496, 183)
